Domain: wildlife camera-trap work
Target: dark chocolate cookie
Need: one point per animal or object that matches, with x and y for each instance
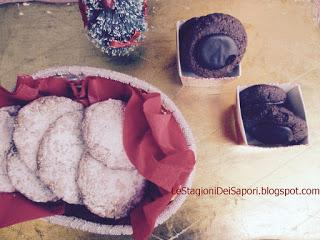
(212, 45)
(262, 94)
(271, 124)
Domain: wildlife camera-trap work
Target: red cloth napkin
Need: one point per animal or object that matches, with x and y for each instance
(15, 208)
(152, 138)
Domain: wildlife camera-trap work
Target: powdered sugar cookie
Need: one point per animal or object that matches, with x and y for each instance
(7, 115)
(32, 122)
(25, 181)
(59, 155)
(103, 133)
(107, 192)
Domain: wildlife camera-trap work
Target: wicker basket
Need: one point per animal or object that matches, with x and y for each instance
(175, 204)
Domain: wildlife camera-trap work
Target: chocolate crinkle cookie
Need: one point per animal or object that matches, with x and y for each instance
(267, 119)
(212, 45)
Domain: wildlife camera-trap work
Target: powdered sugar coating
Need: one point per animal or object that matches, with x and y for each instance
(59, 154)
(171, 209)
(7, 116)
(107, 192)
(25, 181)
(32, 122)
(103, 133)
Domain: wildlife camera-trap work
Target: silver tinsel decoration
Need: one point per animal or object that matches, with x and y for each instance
(116, 24)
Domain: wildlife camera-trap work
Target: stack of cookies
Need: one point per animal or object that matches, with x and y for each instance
(55, 149)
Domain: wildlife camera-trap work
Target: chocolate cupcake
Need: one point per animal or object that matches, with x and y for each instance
(271, 124)
(263, 93)
(212, 46)
(267, 118)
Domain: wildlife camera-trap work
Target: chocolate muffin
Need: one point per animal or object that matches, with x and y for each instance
(212, 45)
(263, 94)
(271, 124)
(267, 117)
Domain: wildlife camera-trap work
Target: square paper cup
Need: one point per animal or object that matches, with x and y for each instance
(295, 99)
(191, 79)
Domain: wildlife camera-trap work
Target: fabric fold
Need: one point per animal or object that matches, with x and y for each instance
(15, 208)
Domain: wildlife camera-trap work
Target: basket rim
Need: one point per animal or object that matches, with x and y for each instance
(176, 203)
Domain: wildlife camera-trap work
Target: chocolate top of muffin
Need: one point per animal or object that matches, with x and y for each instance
(216, 51)
(263, 93)
(212, 45)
